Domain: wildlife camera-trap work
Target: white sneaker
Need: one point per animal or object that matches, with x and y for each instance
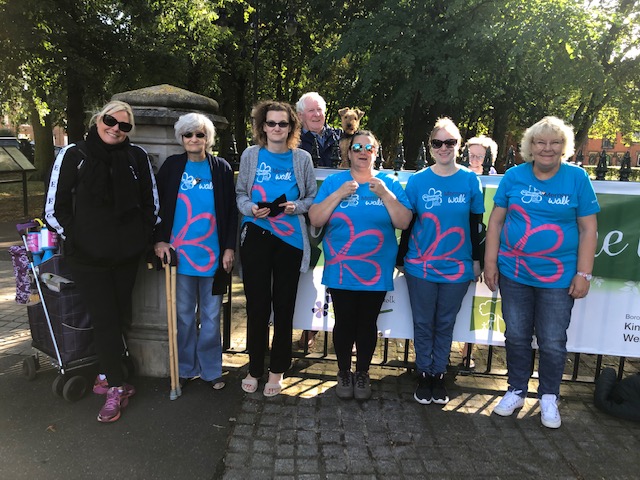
(509, 403)
(549, 413)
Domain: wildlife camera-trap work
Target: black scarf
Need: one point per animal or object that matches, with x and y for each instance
(111, 174)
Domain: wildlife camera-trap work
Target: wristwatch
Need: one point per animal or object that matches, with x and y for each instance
(586, 276)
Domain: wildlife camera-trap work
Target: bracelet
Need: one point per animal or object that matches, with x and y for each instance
(586, 276)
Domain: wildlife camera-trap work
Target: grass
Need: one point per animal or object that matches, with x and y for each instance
(11, 206)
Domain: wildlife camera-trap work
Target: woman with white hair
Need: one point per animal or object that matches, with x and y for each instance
(540, 249)
(477, 148)
(199, 219)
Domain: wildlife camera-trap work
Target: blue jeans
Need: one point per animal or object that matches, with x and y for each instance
(199, 353)
(545, 312)
(434, 307)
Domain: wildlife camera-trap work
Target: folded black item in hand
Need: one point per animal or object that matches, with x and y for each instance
(274, 207)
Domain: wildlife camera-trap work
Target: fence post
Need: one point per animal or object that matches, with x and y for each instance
(625, 167)
(601, 168)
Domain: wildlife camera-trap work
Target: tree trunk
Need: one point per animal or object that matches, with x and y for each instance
(75, 107)
(415, 130)
(499, 134)
(43, 138)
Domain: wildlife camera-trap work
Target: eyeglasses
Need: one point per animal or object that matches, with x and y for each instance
(476, 157)
(110, 121)
(191, 134)
(449, 142)
(555, 144)
(272, 124)
(358, 147)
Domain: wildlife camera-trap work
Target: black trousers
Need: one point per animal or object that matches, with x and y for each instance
(270, 273)
(356, 315)
(106, 293)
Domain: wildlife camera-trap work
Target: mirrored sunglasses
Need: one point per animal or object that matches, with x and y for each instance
(358, 147)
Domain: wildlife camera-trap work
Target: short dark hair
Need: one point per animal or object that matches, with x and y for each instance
(259, 117)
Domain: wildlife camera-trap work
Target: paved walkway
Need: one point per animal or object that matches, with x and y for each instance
(305, 433)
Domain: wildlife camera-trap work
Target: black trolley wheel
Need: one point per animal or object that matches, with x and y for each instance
(74, 388)
(29, 368)
(58, 386)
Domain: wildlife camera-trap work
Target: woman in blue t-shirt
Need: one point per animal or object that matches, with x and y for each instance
(275, 188)
(199, 220)
(443, 255)
(361, 209)
(540, 248)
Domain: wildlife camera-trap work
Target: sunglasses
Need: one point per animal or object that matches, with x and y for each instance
(450, 143)
(109, 121)
(191, 134)
(358, 147)
(272, 124)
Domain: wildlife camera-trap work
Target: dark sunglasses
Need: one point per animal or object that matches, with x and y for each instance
(450, 143)
(191, 134)
(272, 124)
(109, 121)
(358, 147)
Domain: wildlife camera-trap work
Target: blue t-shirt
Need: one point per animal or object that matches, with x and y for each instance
(360, 244)
(275, 176)
(440, 241)
(194, 234)
(539, 240)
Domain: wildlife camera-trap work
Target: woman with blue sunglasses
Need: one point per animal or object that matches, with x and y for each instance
(361, 209)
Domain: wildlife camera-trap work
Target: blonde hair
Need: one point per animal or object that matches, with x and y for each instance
(548, 124)
(445, 123)
(113, 107)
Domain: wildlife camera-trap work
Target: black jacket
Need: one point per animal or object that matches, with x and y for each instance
(94, 232)
(331, 137)
(224, 194)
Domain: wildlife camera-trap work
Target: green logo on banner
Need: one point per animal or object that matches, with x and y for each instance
(487, 314)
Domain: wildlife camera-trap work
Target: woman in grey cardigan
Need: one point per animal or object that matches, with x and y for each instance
(275, 188)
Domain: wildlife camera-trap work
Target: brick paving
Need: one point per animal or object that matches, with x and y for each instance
(307, 433)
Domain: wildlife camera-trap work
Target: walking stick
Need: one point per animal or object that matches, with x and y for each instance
(170, 270)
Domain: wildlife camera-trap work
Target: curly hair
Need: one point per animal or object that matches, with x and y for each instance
(486, 143)
(548, 125)
(259, 117)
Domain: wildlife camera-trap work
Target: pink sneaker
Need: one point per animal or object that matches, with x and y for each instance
(116, 400)
(100, 387)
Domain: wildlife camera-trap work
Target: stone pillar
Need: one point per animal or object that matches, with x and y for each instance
(156, 109)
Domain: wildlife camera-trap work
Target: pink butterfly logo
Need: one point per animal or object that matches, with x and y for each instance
(344, 259)
(179, 242)
(428, 255)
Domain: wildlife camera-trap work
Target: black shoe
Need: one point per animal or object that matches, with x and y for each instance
(362, 387)
(344, 387)
(439, 390)
(424, 393)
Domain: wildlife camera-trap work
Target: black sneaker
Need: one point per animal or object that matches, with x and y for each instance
(362, 388)
(344, 387)
(424, 392)
(439, 390)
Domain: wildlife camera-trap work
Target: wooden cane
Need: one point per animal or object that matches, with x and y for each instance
(170, 334)
(174, 320)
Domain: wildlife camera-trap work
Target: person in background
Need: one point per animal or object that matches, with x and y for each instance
(360, 209)
(443, 255)
(477, 148)
(311, 109)
(539, 251)
(102, 200)
(275, 188)
(199, 219)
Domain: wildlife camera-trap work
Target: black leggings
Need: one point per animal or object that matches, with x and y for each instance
(356, 316)
(265, 256)
(106, 293)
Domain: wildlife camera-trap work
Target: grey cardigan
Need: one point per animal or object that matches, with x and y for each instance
(305, 178)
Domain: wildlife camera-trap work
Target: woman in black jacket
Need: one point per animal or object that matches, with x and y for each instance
(102, 200)
(199, 219)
